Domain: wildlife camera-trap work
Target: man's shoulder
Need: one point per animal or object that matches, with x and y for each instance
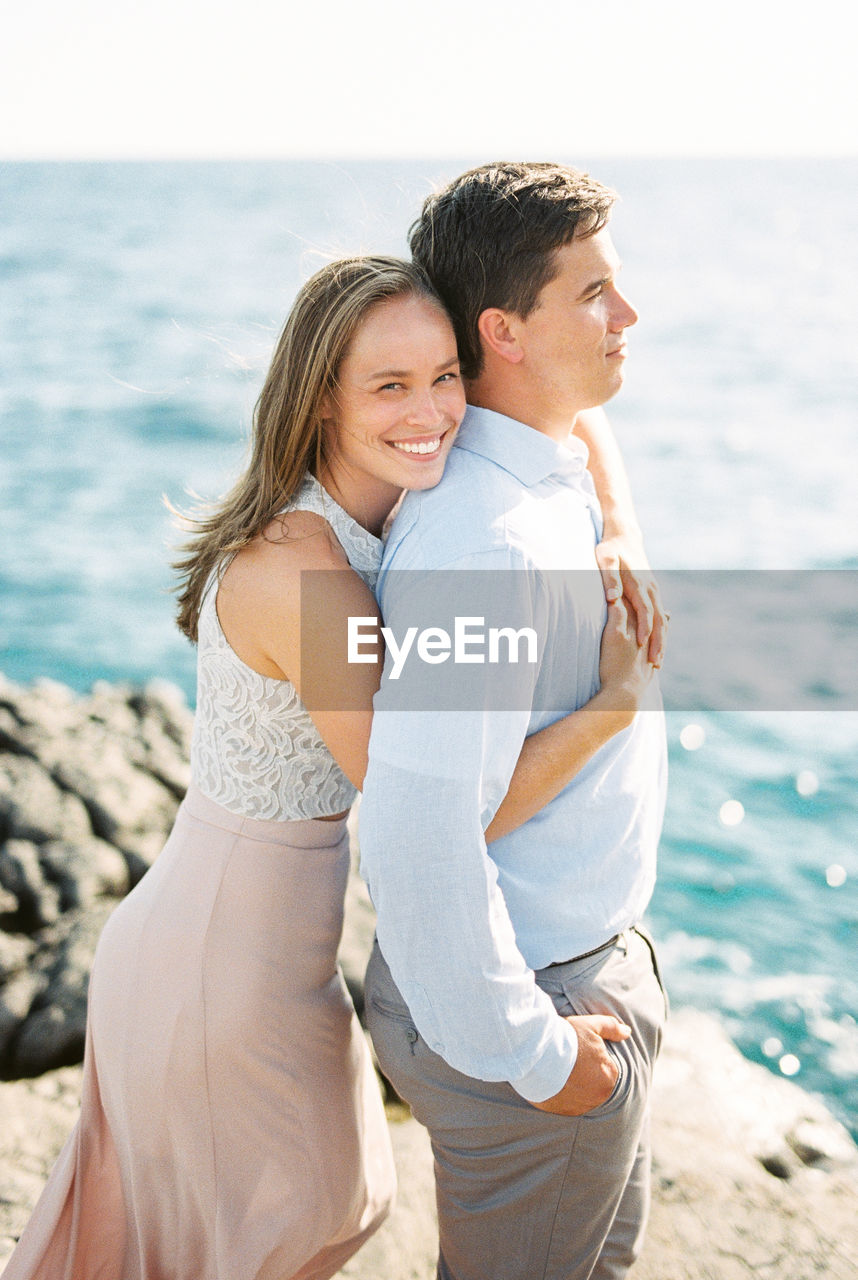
(465, 471)
(463, 514)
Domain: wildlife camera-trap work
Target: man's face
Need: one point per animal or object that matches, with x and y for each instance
(573, 342)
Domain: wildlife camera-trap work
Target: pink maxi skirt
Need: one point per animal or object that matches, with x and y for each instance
(231, 1124)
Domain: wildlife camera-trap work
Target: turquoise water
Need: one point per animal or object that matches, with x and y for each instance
(140, 303)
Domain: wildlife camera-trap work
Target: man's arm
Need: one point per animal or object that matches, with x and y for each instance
(434, 780)
(620, 554)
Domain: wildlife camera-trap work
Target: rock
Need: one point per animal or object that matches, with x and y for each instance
(89, 787)
(36, 901)
(33, 807)
(819, 1144)
(112, 750)
(36, 1116)
(164, 734)
(15, 953)
(733, 1196)
(126, 806)
(717, 1214)
(701, 1063)
(54, 1030)
(19, 990)
(84, 872)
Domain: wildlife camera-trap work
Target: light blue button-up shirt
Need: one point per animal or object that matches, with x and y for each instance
(462, 927)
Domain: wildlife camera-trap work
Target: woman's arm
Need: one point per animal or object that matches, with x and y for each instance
(284, 607)
(620, 555)
(552, 757)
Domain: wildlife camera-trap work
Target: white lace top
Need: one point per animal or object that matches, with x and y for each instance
(255, 749)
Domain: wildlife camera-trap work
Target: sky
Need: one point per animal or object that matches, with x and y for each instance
(325, 79)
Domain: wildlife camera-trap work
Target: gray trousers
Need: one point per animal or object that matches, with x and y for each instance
(522, 1194)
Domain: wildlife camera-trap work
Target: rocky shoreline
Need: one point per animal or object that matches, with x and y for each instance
(753, 1177)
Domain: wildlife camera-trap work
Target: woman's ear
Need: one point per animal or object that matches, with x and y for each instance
(497, 331)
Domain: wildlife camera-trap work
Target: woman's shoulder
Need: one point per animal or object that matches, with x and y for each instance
(260, 590)
(300, 538)
(291, 544)
(263, 590)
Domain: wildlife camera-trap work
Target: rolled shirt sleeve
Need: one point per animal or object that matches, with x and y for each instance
(437, 773)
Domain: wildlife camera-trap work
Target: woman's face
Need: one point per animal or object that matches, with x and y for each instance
(398, 404)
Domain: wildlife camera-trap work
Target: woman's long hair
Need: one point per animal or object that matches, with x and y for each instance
(288, 436)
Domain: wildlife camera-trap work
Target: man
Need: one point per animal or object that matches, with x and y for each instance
(512, 1000)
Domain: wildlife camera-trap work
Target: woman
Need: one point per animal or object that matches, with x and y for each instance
(231, 1126)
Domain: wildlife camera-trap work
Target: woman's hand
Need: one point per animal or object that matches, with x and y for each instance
(615, 555)
(620, 555)
(625, 669)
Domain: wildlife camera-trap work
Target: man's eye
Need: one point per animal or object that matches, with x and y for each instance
(449, 377)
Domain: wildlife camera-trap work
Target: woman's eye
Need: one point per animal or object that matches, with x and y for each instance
(391, 386)
(449, 377)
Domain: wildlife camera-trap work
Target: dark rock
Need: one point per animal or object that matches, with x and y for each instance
(37, 901)
(126, 806)
(164, 734)
(84, 872)
(33, 807)
(17, 993)
(119, 751)
(89, 788)
(776, 1165)
(818, 1143)
(10, 728)
(54, 1031)
(38, 713)
(15, 953)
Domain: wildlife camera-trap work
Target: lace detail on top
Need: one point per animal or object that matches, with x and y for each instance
(255, 749)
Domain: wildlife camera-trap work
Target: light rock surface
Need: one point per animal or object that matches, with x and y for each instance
(752, 1176)
(718, 1214)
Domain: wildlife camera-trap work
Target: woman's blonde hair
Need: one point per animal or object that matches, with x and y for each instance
(288, 437)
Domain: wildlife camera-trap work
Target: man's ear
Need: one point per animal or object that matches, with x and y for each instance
(497, 330)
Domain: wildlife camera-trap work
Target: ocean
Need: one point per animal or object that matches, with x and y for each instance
(140, 303)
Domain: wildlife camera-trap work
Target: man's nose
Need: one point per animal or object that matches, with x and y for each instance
(623, 313)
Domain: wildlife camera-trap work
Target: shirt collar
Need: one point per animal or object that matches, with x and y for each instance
(523, 451)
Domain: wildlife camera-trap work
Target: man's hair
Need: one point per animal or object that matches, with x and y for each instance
(489, 239)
